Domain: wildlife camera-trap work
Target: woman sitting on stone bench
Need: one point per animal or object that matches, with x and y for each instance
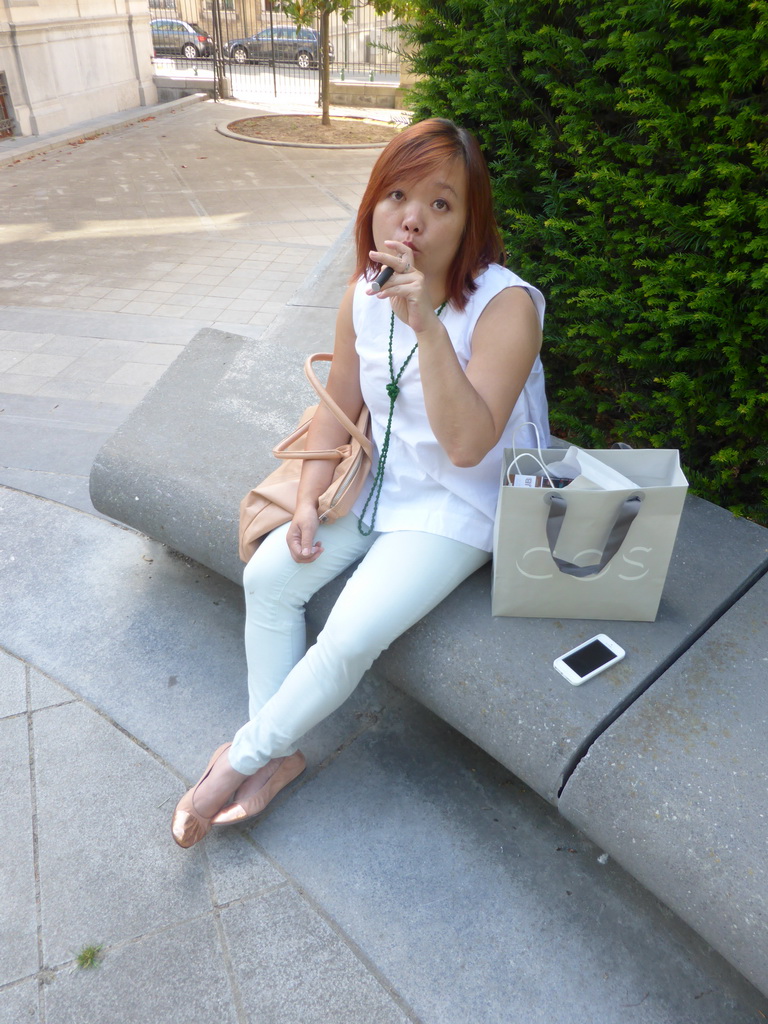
(446, 356)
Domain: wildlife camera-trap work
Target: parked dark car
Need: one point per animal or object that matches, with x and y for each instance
(183, 38)
(287, 43)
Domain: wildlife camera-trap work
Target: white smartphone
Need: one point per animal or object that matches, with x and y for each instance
(589, 658)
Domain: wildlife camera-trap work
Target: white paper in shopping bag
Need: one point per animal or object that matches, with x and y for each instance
(587, 471)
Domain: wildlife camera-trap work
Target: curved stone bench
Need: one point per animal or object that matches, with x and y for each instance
(179, 466)
(677, 789)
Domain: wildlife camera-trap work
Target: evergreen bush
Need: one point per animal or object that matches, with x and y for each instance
(628, 143)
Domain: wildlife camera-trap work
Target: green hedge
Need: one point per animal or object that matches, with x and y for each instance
(629, 146)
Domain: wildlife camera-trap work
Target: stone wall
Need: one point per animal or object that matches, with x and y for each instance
(68, 61)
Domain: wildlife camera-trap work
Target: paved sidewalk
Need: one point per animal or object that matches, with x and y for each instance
(117, 249)
(406, 877)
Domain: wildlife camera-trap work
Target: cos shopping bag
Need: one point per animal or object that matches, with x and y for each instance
(587, 550)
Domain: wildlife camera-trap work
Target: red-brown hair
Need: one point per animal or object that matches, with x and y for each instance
(415, 152)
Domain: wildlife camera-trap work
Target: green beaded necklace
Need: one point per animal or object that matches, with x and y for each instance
(393, 390)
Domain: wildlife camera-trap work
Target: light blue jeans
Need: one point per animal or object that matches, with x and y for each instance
(401, 577)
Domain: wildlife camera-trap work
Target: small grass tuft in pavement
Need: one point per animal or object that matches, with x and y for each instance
(89, 957)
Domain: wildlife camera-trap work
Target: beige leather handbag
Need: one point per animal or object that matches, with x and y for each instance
(273, 502)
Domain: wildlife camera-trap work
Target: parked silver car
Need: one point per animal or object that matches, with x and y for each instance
(287, 43)
(180, 38)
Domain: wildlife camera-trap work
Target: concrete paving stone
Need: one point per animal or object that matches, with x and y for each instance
(232, 265)
(229, 262)
(287, 257)
(472, 896)
(164, 286)
(182, 273)
(208, 302)
(55, 446)
(20, 1003)
(152, 352)
(87, 415)
(19, 384)
(140, 306)
(95, 291)
(78, 302)
(250, 305)
(197, 261)
(273, 307)
(75, 389)
(66, 488)
(211, 249)
(52, 298)
(175, 976)
(107, 305)
(302, 970)
(67, 345)
(204, 283)
(221, 291)
(90, 368)
(267, 233)
(261, 319)
(142, 284)
(188, 293)
(239, 251)
(18, 916)
(109, 871)
(210, 274)
(248, 277)
(96, 325)
(9, 359)
(261, 254)
(172, 310)
(137, 375)
(230, 320)
(162, 266)
(13, 686)
(238, 869)
(21, 340)
(275, 274)
(195, 313)
(254, 286)
(321, 238)
(44, 692)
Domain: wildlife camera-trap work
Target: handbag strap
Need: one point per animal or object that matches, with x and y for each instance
(336, 409)
(286, 449)
(624, 518)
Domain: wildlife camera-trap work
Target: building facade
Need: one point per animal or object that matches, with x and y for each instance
(63, 62)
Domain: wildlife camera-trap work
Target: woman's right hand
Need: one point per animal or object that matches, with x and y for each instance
(301, 535)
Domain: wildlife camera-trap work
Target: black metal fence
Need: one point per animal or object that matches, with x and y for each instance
(263, 52)
(7, 121)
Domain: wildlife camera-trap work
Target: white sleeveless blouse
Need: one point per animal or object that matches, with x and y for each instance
(422, 489)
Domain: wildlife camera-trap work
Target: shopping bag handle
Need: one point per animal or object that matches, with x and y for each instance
(624, 518)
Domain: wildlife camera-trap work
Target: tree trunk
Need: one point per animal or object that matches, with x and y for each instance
(325, 70)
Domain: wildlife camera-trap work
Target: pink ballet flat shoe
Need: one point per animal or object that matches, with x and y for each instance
(188, 826)
(256, 792)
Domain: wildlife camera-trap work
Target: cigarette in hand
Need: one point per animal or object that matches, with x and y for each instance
(382, 279)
